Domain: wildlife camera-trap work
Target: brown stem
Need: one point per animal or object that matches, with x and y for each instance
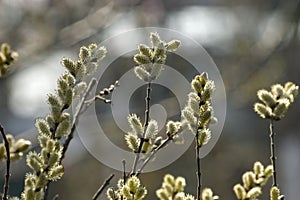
(7, 175)
(124, 170)
(273, 153)
(102, 187)
(198, 172)
(162, 145)
(76, 118)
(142, 139)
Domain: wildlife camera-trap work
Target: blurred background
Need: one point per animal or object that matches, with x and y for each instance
(254, 44)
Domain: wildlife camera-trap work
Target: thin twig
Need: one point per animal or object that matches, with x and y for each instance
(76, 117)
(147, 114)
(162, 145)
(7, 175)
(198, 166)
(273, 153)
(124, 170)
(102, 187)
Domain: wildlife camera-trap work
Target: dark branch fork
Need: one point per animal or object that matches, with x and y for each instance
(7, 175)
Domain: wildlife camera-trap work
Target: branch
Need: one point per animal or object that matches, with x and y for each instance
(147, 113)
(102, 187)
(162, 145)
(76, 117)
(7, 175)
(198, 167)
(273, 153)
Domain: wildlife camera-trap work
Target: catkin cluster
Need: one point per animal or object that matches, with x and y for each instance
(151, 139)
(275, 103)
(16, 148)
(150, 60)
(253, 182)
(134, 136)
(198, 113)
(7, 57)
(131, 190)
(173, 189)
(46, 165)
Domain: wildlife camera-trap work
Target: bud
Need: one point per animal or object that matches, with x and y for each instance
(172, 128)
(267, 98)
(239, 191)
(80, 71)
(142, 74)
(132, 142)
(53, 100)
(155, 39)
(188, 115)
(275, 193)
(135, 125)
(29, 194)
(67, 101)
(140, 193)
(2, 151)
(34, 161)
(110, 193)
(42, 126)
(262, 110)
(268, 171)
(160, 51)
(161, 194)
(168, 178)
(145, 50)
(55, 113)
(22, 145)
(156, 70)
(63, 128)
(197, 86)
(43, 140)
(180, 184)
(207, 194)
(205, 117)
(277, 90)
(70, 79)
(204, 136)
(56, 172)
(254, 193)
(53, 159)
(281, 108)
(157, 141)
(141, 59)
(146, 147)
(179, 196)
(133, 183)
(91, 68)
(169, 190)
(84, 54)
(152, 129)
(99, 53)
(80, 88)
(258, 169)
(248, 179)
(173, 45)
(30, 180)
(69, 65)
(126, 192)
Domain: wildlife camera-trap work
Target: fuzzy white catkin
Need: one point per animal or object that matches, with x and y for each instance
(142, 74)
(152, 129)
